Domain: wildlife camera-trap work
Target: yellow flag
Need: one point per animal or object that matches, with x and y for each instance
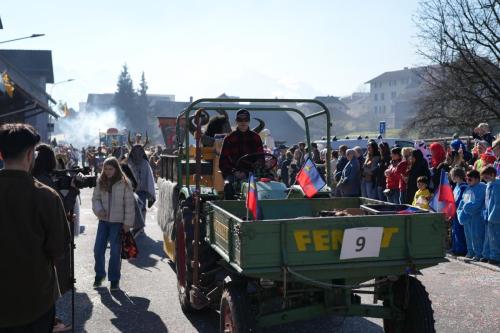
(8, 85)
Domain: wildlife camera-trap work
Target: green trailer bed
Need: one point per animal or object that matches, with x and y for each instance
(292, 235)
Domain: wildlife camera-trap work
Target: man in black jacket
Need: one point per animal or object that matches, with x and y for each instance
(34, 233)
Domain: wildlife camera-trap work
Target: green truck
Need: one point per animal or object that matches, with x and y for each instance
(304, 258)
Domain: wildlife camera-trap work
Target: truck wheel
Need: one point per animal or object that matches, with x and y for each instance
(184, 253)
(419, 316)
(235, 316)
(183, 280)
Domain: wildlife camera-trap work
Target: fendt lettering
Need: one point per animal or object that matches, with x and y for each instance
(331, 240)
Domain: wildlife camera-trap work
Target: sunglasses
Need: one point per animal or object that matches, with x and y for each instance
(242, 120)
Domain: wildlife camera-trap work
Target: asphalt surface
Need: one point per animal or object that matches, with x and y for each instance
(465, 297)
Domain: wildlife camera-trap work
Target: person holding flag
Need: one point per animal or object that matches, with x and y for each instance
(470, 215)
(309, 179)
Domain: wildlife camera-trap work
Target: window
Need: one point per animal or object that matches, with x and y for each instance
(375, 97)
(383, 109)
(393, 94)
(375, 109)
(381, 96)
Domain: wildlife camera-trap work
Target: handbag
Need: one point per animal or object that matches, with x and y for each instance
(129, 246)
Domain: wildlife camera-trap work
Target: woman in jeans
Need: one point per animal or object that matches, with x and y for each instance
(368, 186)
(113, 203)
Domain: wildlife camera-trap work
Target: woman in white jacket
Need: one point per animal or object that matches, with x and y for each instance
(113, 203)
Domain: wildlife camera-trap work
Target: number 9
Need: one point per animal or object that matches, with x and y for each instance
(361, 241)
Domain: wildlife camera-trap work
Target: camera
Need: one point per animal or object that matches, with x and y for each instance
(63, 178)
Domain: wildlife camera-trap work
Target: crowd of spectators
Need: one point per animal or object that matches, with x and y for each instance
(406, 175)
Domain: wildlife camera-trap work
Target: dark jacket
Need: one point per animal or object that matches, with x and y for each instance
(340, 167)
(236, 145)
(350, 182)
(63, 265)
(34, 233)
(417, 170)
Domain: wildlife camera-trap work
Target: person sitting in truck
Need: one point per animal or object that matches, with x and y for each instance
(238, 143)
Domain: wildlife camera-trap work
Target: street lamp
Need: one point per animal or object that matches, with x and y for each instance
(13, 40)
(56, 83)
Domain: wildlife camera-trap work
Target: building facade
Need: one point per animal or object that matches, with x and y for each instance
(393, 95)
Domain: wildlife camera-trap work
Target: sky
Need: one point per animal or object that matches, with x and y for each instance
(245, 48)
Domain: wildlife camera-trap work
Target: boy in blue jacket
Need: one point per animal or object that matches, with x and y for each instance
(470, 215)
(492, 202)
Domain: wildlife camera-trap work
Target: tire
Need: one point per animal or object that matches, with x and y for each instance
(235, 314)
(184, 256)
(419, 316)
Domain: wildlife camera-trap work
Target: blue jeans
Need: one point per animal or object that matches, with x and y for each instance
(494, 241)
(367, 189)
(393, 197)
(402, 197)
(468, 238)
(478, 232)
(458, 243)
(486, 245)
(108, 232)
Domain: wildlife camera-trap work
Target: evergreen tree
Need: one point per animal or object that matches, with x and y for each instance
(125, 98)
(142, 104)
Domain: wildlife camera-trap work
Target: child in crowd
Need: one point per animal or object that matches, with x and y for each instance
(470, 215)
(423, 195)
(492, 237)
(458, 244)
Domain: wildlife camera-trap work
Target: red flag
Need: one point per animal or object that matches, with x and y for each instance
(309, 179)
(252, 201)
(446, 197)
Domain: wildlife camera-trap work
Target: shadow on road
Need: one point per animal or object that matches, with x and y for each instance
(131, 313)
(207, 321)
(83, 309)
(147, 247)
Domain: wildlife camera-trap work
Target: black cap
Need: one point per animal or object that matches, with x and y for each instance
(243, 114)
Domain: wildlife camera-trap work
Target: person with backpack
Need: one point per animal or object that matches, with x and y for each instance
(114, 204)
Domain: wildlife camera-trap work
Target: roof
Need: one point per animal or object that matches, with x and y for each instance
(31, 62)
(28, 95)
(397, 75)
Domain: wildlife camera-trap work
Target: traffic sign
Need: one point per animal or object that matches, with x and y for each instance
(381, 127)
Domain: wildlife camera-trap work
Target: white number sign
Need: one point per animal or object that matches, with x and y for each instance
(361, 243)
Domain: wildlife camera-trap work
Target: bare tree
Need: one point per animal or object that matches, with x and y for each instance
(460, 38)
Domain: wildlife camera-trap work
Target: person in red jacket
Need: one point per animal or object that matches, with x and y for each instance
(402, 170)
(393, 177)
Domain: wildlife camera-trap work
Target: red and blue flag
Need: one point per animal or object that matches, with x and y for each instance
(309, 179)
(443, 200)
(252, 201)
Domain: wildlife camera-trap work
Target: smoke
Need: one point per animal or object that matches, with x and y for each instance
(81, 129)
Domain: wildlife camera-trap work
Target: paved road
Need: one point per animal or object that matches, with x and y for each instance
(466, 298)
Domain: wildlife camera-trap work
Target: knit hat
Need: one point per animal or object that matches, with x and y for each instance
(488, 157)
(457, 144)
